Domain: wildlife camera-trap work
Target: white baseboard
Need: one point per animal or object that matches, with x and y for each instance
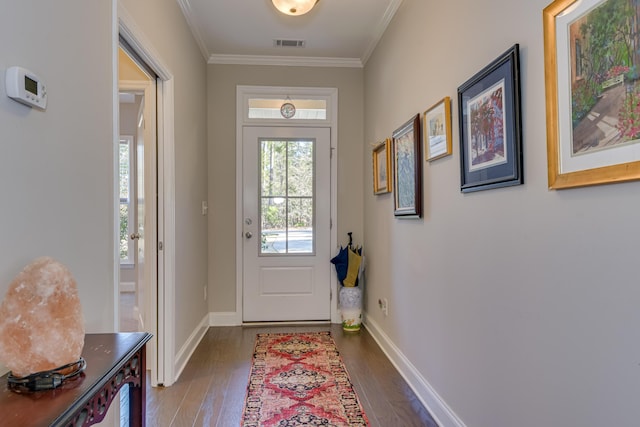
(189, 347)
(437, 407)
(231, 318)
(224, 318)
(127, 286)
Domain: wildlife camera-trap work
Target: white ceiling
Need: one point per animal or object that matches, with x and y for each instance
(336, 32)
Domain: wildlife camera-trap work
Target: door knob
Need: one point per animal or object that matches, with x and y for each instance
(248, 234)
(135, 236)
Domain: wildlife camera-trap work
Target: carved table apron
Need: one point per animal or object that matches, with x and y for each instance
(113, 360)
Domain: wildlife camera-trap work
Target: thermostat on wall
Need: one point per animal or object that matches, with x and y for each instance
(25, 87)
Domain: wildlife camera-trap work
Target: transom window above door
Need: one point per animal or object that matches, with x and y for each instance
(287, 108)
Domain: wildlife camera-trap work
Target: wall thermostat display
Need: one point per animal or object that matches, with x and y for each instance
(25, 87)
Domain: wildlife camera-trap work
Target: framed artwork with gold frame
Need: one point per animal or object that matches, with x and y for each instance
(382, 167)
(437, 130)
(592, 88)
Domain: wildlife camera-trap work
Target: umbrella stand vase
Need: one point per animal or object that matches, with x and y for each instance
(351, 307)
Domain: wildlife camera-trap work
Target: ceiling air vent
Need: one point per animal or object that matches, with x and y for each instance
(288, 43)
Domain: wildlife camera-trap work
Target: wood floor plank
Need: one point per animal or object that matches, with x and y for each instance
(211, 408)
(163, 403)
(212, 388)
(192, 402)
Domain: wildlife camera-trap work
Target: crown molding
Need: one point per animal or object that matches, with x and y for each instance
(191, 22)
(377, 34)
(290, 61)
(380, 29)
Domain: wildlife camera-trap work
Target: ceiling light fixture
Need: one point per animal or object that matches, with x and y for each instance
(294, 7)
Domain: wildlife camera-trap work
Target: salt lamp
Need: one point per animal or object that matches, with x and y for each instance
(41, 323)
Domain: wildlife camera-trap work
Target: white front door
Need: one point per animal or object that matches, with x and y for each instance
(286, 224)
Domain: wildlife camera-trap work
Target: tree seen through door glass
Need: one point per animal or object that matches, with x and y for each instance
(286, 189)
(125, 199)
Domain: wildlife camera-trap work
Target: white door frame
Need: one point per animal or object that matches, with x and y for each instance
(243, 94)
(163, 311)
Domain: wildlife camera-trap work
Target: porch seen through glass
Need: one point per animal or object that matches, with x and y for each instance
(287, 199)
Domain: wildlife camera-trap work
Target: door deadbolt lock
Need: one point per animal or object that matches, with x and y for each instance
(248, 221)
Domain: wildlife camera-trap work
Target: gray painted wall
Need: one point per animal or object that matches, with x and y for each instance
(164, 26)
(518, 305)
(222, 82)
(57, 167)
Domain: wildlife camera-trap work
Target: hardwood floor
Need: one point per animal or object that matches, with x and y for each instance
(212, 387)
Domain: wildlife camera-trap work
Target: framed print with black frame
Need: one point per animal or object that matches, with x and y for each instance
(490, 126)
(382, 167)
(592, 88)
(407, 170)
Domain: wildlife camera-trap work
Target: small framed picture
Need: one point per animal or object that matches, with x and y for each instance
(490, 126)
(437, 130)
(407, 176)
(382, 167)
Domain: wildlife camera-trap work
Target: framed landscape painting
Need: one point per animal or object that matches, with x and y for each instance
(407, 179)
(592, 87)
(490, 126)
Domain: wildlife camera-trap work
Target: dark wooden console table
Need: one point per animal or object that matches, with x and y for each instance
(113, 360)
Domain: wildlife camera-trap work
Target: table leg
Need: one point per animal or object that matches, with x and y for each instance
(138, 394)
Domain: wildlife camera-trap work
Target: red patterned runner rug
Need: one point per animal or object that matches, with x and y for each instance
(299, 379)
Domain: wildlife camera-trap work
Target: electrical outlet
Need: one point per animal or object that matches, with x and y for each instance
(383, 303)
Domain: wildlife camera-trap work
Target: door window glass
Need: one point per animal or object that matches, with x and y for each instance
(287, 196)
(126, 211)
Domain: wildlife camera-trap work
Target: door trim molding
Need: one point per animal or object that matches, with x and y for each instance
(125, 26)
(243, 93)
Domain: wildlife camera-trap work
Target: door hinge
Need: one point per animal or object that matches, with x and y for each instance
(331, 152)
(330, 223)
(160, 246)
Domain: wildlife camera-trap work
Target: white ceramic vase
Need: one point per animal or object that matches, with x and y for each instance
(350, 299)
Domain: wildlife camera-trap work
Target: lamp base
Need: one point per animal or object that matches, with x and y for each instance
(47, 380)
